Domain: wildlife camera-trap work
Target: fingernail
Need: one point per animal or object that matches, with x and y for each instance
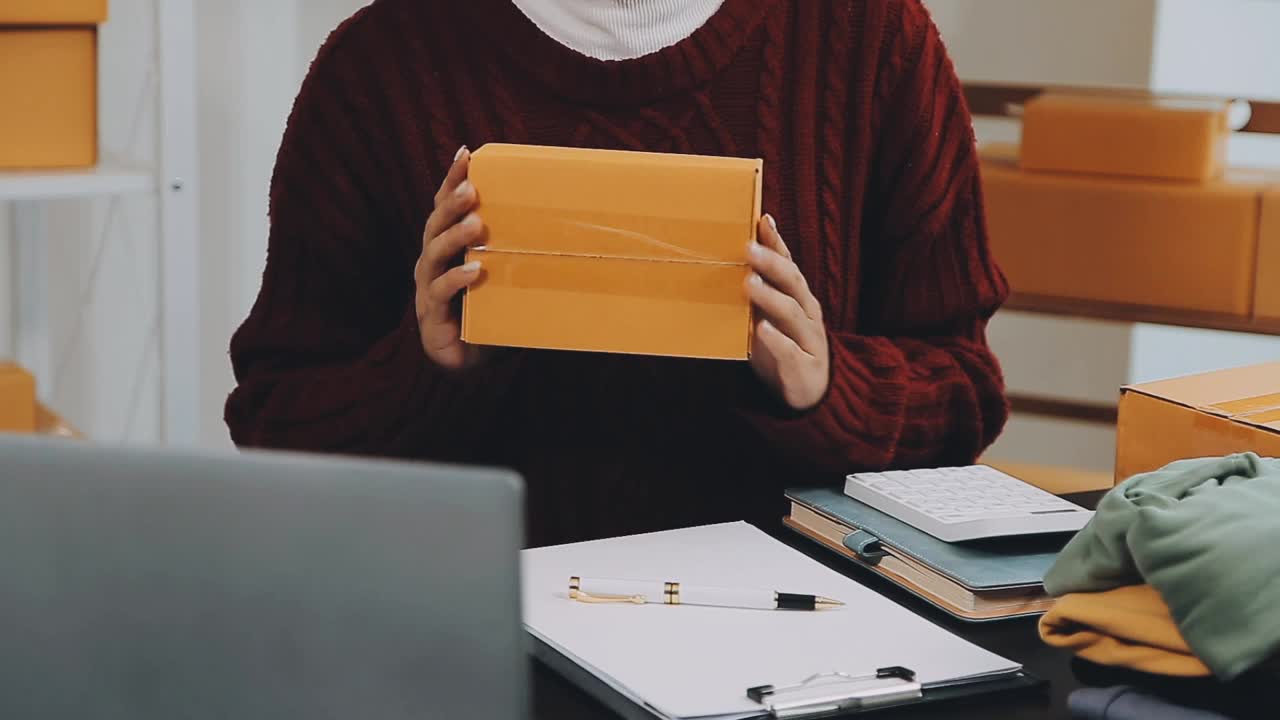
(471, 267)
(471, 219)
(772, 223)
(766, 326)
(458, 155)
(463, 188)
(755, 279)
(756, 249)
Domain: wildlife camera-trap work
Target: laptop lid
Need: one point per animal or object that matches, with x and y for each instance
(157, 584)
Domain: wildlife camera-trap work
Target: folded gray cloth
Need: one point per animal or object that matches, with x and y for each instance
(1125, 703)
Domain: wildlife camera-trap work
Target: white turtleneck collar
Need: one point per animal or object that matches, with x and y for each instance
(618, 29)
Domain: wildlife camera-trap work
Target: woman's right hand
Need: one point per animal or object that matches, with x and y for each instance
(452, 227)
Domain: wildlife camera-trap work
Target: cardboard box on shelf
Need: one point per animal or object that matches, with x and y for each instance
(48, 83)
(17, 399)
(55, 12)
(613, 251)
(1209, 415)
(1125, 135)
(1131, 242)
(1267, 303)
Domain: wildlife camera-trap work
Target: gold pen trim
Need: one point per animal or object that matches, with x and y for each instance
(671, 593)
(576, 593)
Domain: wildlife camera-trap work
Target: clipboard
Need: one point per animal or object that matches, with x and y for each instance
(737, 663)
(851, 695)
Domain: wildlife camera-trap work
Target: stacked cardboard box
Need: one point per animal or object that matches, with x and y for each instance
(1125, 201)
(1208, 415)
(48, 83)
(1268, 298)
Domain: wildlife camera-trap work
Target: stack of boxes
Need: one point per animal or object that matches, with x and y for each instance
(48, 83)
(1127, 201)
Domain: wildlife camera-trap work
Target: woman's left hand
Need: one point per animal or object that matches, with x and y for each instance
(789, 346)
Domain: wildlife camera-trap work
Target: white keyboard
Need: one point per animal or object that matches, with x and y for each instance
(966, 503)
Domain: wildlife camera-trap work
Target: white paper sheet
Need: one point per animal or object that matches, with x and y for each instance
(697, 662)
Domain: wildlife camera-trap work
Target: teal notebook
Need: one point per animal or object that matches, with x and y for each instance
(976, 580)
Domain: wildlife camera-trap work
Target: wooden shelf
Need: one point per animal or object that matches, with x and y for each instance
(103, 181)
(1141, 314)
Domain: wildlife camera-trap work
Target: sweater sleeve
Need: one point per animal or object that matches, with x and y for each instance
(330, 358)
(914, 383)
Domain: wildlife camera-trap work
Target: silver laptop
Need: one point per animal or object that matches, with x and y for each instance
(140, 584)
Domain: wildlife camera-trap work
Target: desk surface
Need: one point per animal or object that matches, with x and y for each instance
(557, 699)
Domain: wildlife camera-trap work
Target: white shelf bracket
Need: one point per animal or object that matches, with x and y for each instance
(178, 183)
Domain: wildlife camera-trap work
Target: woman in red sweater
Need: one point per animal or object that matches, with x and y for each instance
(873, 291)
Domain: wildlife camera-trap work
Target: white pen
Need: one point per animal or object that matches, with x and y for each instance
(639, 592)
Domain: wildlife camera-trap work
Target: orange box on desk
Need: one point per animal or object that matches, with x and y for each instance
(1147, 137)
(1207, 415)
(613, 251)
(17, 400)
(1125, 241)
(48, 83)
(1267, 304)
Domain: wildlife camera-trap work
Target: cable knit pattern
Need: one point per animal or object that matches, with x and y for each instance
(870, 170)
(833, 122)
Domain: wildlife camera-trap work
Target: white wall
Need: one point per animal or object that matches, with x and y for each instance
(253, 57)
(1081, 42)
(247, 66)
(1220, 47)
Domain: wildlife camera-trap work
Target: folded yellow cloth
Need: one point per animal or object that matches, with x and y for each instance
(1128, 627)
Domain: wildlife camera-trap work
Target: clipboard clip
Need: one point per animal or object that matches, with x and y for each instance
(835, 692)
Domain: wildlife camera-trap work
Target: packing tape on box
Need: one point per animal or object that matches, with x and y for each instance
(598, 233)
(1268, 417)
(1248, 406)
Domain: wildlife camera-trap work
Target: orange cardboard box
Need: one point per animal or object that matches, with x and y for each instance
(1126, 241)
(48, 83)
(1267, 304)
(1148, 137)
(613, 251)
(1208, 415)
(17, 400)
(53, 12)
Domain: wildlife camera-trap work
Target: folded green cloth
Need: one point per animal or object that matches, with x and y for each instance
(1206, 534)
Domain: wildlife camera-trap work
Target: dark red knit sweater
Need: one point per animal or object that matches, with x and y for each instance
(870, 170)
